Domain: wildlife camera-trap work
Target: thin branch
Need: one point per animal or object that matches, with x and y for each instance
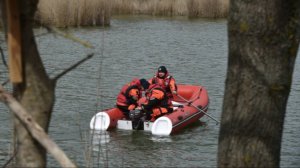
(41, 34)
(5, 82)
(10, 159)
(36, 131)
(69, 36)
(73, 67)
(3, 57)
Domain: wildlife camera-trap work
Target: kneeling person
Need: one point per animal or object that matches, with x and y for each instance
(130, 94)
(157, 103)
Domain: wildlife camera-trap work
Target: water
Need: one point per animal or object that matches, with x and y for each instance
(195, 52)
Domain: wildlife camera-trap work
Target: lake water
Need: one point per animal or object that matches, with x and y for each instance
(194, 51)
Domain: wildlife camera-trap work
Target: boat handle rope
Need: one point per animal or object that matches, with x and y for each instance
(199, 109)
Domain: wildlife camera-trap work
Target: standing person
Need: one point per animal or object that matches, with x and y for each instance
(130, 94)
(157, 103)
(166, 81)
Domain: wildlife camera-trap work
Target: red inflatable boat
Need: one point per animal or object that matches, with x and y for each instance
(190, 105)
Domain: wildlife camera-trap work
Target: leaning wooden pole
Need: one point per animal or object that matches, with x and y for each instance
(14, 41)
(36, 131)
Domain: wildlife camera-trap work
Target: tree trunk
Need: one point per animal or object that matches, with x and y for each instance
(263, 44)
(35, 93)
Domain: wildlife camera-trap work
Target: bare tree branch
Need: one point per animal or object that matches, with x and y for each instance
(3, 57)
(35, 129)
(69, 36)
(5, 82)
(73, 66)
(10, 159)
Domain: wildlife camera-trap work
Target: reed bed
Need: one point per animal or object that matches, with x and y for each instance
(64, 13)
(190, 8)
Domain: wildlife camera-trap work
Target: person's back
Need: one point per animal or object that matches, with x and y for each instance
(157, 102)
(129, 95)
(166, 81)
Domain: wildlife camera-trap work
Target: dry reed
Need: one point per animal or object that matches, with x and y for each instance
(64, 13)
(191, 8)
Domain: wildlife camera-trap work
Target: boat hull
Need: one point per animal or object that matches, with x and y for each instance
(191, 112)
(191, 104)
(106, 119)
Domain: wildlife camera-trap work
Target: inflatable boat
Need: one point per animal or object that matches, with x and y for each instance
(190, 104)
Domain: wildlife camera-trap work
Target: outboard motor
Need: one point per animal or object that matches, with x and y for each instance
(137, 118)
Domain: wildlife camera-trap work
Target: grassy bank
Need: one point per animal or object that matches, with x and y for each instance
(63, 13)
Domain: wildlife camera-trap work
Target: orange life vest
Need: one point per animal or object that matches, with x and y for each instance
(163, 101)
(165, 84)
(164, 105)
(136, 82)
(124, 98)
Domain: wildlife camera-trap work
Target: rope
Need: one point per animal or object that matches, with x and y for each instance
(99, 94)
(98, 106)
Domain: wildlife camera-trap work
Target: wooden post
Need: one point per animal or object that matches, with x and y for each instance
(14, 41)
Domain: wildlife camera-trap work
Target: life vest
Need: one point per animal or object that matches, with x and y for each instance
(159, 111)
(123, 98)
(136, 82)
(163, 82)
(164, 101)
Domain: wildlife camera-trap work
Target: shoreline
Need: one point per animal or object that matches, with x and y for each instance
(76, 13)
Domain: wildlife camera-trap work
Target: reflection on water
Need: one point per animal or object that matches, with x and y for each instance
(99, 137)
(161, 138)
